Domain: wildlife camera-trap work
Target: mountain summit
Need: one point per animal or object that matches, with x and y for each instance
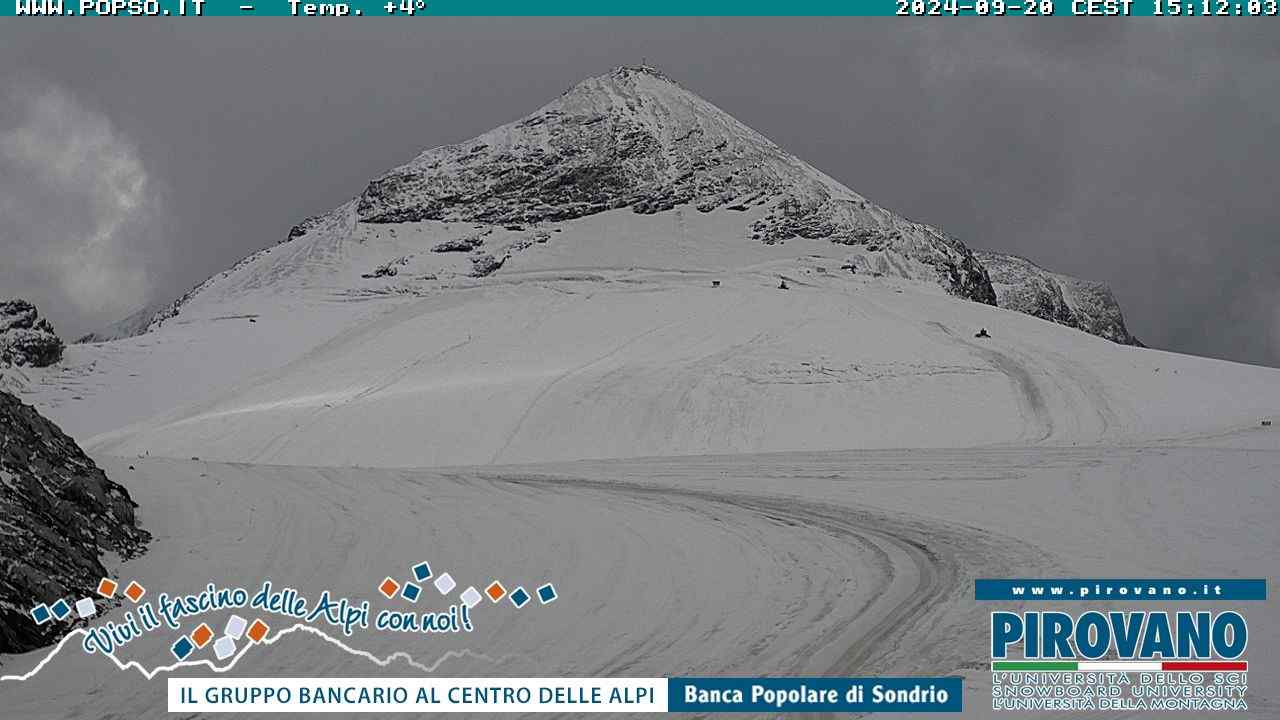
(702, 190)
(635, 139)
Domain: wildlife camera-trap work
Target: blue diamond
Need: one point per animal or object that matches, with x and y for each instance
(519, 597)
(411, 592)
(182, 648)
(422, 572)
(40, 614)
(61, 609)
(547, 593)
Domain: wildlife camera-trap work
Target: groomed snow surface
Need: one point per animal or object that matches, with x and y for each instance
(904, 457)
(855, 563)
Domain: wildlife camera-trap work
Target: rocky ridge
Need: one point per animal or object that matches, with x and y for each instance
(1082, 304)
(59, 513)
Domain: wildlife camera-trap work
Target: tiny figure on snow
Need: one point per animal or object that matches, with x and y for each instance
(982, 333)
(783, 285)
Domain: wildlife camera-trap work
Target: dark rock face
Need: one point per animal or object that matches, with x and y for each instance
(58, 514)
(485, 264)
(1082, 304)
(968, 278)
(635, 139)
(26, 339)
(466, 244)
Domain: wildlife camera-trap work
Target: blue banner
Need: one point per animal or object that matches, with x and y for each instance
(1122, 589)
(815, 694)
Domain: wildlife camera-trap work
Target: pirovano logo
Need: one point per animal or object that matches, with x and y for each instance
(1130, 660)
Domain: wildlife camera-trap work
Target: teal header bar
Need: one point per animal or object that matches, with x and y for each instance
(1204, 10)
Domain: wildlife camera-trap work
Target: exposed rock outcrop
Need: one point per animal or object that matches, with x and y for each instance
(1082, 304)
(26, 339)
(466, 244)
(58, 514)
(390, 268)
(485, 264)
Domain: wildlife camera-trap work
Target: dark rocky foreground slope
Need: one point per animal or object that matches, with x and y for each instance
(26, 339)
(58, 514)
(1082, 304)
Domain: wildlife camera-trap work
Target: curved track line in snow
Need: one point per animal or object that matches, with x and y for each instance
(926, 563)
(542, 392)
(1035, 409)
(300, 627)
(379, 385)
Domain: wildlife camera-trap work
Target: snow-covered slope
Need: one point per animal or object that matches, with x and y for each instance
(1082, 304)
(601, 279)
(611, 340)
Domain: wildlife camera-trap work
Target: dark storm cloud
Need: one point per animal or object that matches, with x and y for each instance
(1140, 153)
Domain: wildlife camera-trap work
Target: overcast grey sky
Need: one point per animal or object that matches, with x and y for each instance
(137, 158)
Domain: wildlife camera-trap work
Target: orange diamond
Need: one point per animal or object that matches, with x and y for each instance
(258, 630)
(135, 591)
(389, 588)
(495, 591)
(107, 587)
(201, 635)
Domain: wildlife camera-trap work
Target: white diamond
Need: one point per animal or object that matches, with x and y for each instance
(86, 608)
(470, 597)
(235, 627)
(445, 584)
(224, 648)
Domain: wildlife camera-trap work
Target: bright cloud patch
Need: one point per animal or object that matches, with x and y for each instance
(75, 204)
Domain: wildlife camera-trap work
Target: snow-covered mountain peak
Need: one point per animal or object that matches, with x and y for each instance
(636, 101)
(633, 138)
